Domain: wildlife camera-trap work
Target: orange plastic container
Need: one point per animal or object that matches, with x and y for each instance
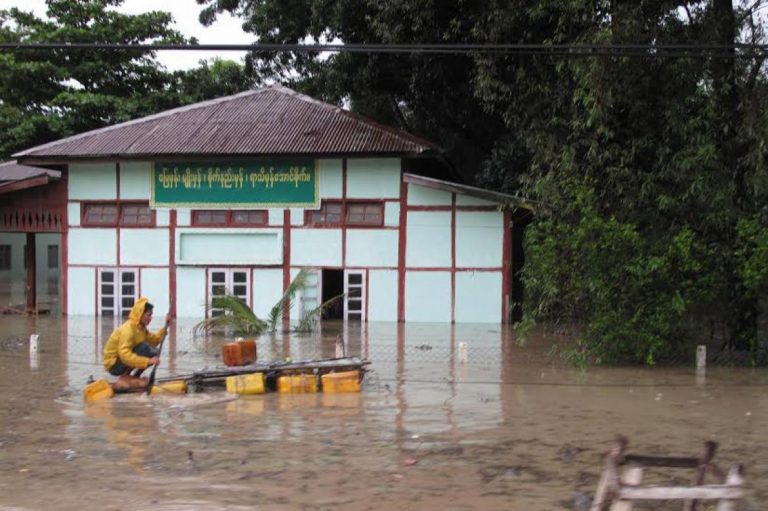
(248, 351)
(239, 353)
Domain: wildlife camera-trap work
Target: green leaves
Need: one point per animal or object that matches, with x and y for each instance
(239, 318)
(53, 94)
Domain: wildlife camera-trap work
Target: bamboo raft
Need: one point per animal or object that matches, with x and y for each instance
(620, 483)
(332, 375)
(200, 380)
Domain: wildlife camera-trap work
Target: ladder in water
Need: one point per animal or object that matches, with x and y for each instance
(620, 483)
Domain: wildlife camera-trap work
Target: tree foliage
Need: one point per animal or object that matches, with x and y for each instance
(652, 168)
(47, 95)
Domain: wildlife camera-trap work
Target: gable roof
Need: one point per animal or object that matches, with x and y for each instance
(272, 120)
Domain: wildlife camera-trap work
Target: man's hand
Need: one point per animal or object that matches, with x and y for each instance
(154, 361)
(167, 319)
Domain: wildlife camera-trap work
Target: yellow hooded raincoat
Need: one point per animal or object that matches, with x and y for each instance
(129, 335)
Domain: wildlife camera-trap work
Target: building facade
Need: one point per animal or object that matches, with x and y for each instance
(246, 191)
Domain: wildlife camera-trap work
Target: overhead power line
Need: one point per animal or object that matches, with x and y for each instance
(749, 51)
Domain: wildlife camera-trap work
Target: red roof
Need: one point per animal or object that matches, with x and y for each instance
(273, 120)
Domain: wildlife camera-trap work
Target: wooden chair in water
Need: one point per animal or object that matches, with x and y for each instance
(619, 484)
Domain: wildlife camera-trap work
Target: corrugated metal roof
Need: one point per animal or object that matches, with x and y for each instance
(12, 171)
(472, 191)
(273, 120)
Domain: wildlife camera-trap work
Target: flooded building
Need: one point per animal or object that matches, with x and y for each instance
(236, 195)
(31, 201)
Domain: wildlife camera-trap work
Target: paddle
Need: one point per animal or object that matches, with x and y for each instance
(151, 380)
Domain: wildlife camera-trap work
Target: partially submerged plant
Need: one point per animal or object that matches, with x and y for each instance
(238, 317)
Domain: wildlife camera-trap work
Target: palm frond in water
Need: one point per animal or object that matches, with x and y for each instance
(308, 320)
(237, 316)
(298, 283)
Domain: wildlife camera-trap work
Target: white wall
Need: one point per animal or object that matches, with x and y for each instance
(478, 297)
(428, 296)
(479, 239)
(330, 176)
(92, 181)
(316, 247)
(190, 292)
(373, 178)
(73, 214)
(428, 242)
(421, 196)
(81, 291)
(372, 247)
(267, 290)
(135, 180)
(154, 285)
(229, 246)
(141, 247)
(382, 295)
(93, 246)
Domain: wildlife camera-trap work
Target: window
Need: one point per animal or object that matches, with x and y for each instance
(117, 215)
(365, 213)
(328, 214)
(118, 290)
(136, 215)
(5, 257)
(223, 281)
(229, 218)
(53, 256)
(354, 214)
(100, 214)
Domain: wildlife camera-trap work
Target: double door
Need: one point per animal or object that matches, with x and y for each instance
(320, 288)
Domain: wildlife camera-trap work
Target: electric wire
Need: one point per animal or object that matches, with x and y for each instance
(748, 51)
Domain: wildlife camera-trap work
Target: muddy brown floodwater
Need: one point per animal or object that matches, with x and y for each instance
(506, 429)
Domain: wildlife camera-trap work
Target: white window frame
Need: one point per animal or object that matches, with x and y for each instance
(312, 294)
(229, 285)
(117, 309)
(350, 300)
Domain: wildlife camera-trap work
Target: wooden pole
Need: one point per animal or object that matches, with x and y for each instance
(30, 258)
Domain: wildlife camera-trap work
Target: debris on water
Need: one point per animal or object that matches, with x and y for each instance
(69, 455)
(568, 452)
(11, 343)
(581, 501)
(409, 462)
(423, 347)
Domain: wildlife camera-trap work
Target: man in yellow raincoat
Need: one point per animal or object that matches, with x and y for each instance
(131, 347)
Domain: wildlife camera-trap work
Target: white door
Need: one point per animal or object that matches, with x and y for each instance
(354, 295)
(223, 281)
(118, 290)
(311, 294)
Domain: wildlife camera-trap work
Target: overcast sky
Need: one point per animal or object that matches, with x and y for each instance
(226, 30)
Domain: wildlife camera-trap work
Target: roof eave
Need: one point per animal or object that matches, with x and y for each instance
(23, 184)
(61, 159)
(503, 199)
